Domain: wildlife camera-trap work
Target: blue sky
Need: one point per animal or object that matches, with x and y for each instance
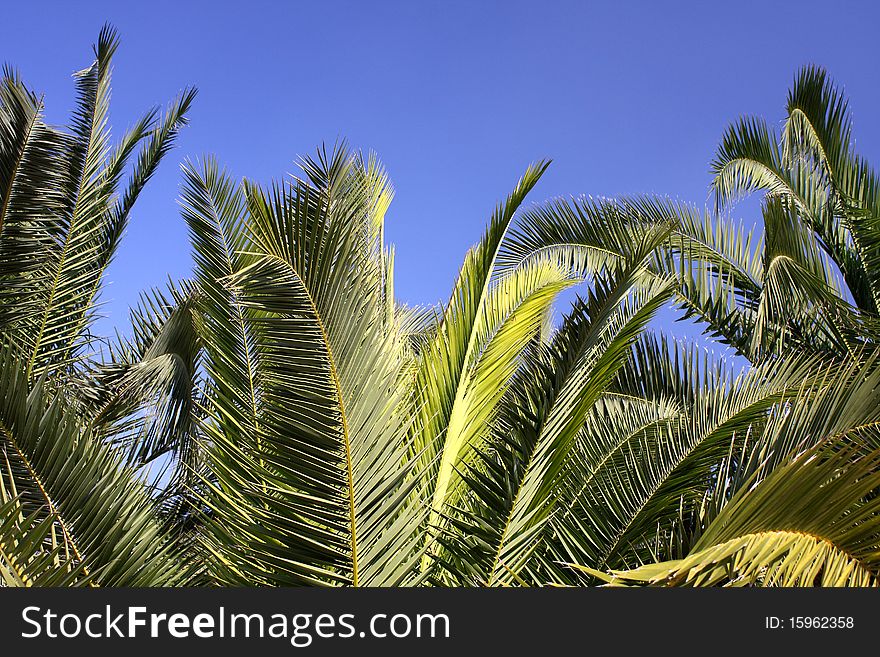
(456, 97)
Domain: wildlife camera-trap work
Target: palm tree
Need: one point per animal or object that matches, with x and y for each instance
(807, 513)
(818, 283)
(281, 419)
(315, 431)
(792, 502)
(351, 426)
(71, 510)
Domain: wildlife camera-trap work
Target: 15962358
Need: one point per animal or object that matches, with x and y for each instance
(809, 623)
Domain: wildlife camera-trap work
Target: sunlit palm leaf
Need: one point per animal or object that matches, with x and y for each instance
(811, 522)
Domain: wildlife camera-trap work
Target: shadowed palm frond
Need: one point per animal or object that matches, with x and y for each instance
(103, 514)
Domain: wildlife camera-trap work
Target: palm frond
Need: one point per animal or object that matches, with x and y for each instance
(85, 234)
(142, 397)
(445, 394)
(321, 461)
(31, 193)
(513, 482)
(103, 514)
(811, 522)
(621, 491)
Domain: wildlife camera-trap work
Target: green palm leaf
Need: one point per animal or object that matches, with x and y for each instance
(84, 235)
(103, 514)
(313, 490)
(460, 377)
(811, 522)
(513, 483)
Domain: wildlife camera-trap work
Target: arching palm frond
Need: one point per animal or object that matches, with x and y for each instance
(619, 492)
(513, 482)
(830, 418)
(306, 434)
(467, 365)
(145, 399)
(811, 522)
(827, 197)
(31, 192)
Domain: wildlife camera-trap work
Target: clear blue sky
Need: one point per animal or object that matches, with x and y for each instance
(456, 97)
